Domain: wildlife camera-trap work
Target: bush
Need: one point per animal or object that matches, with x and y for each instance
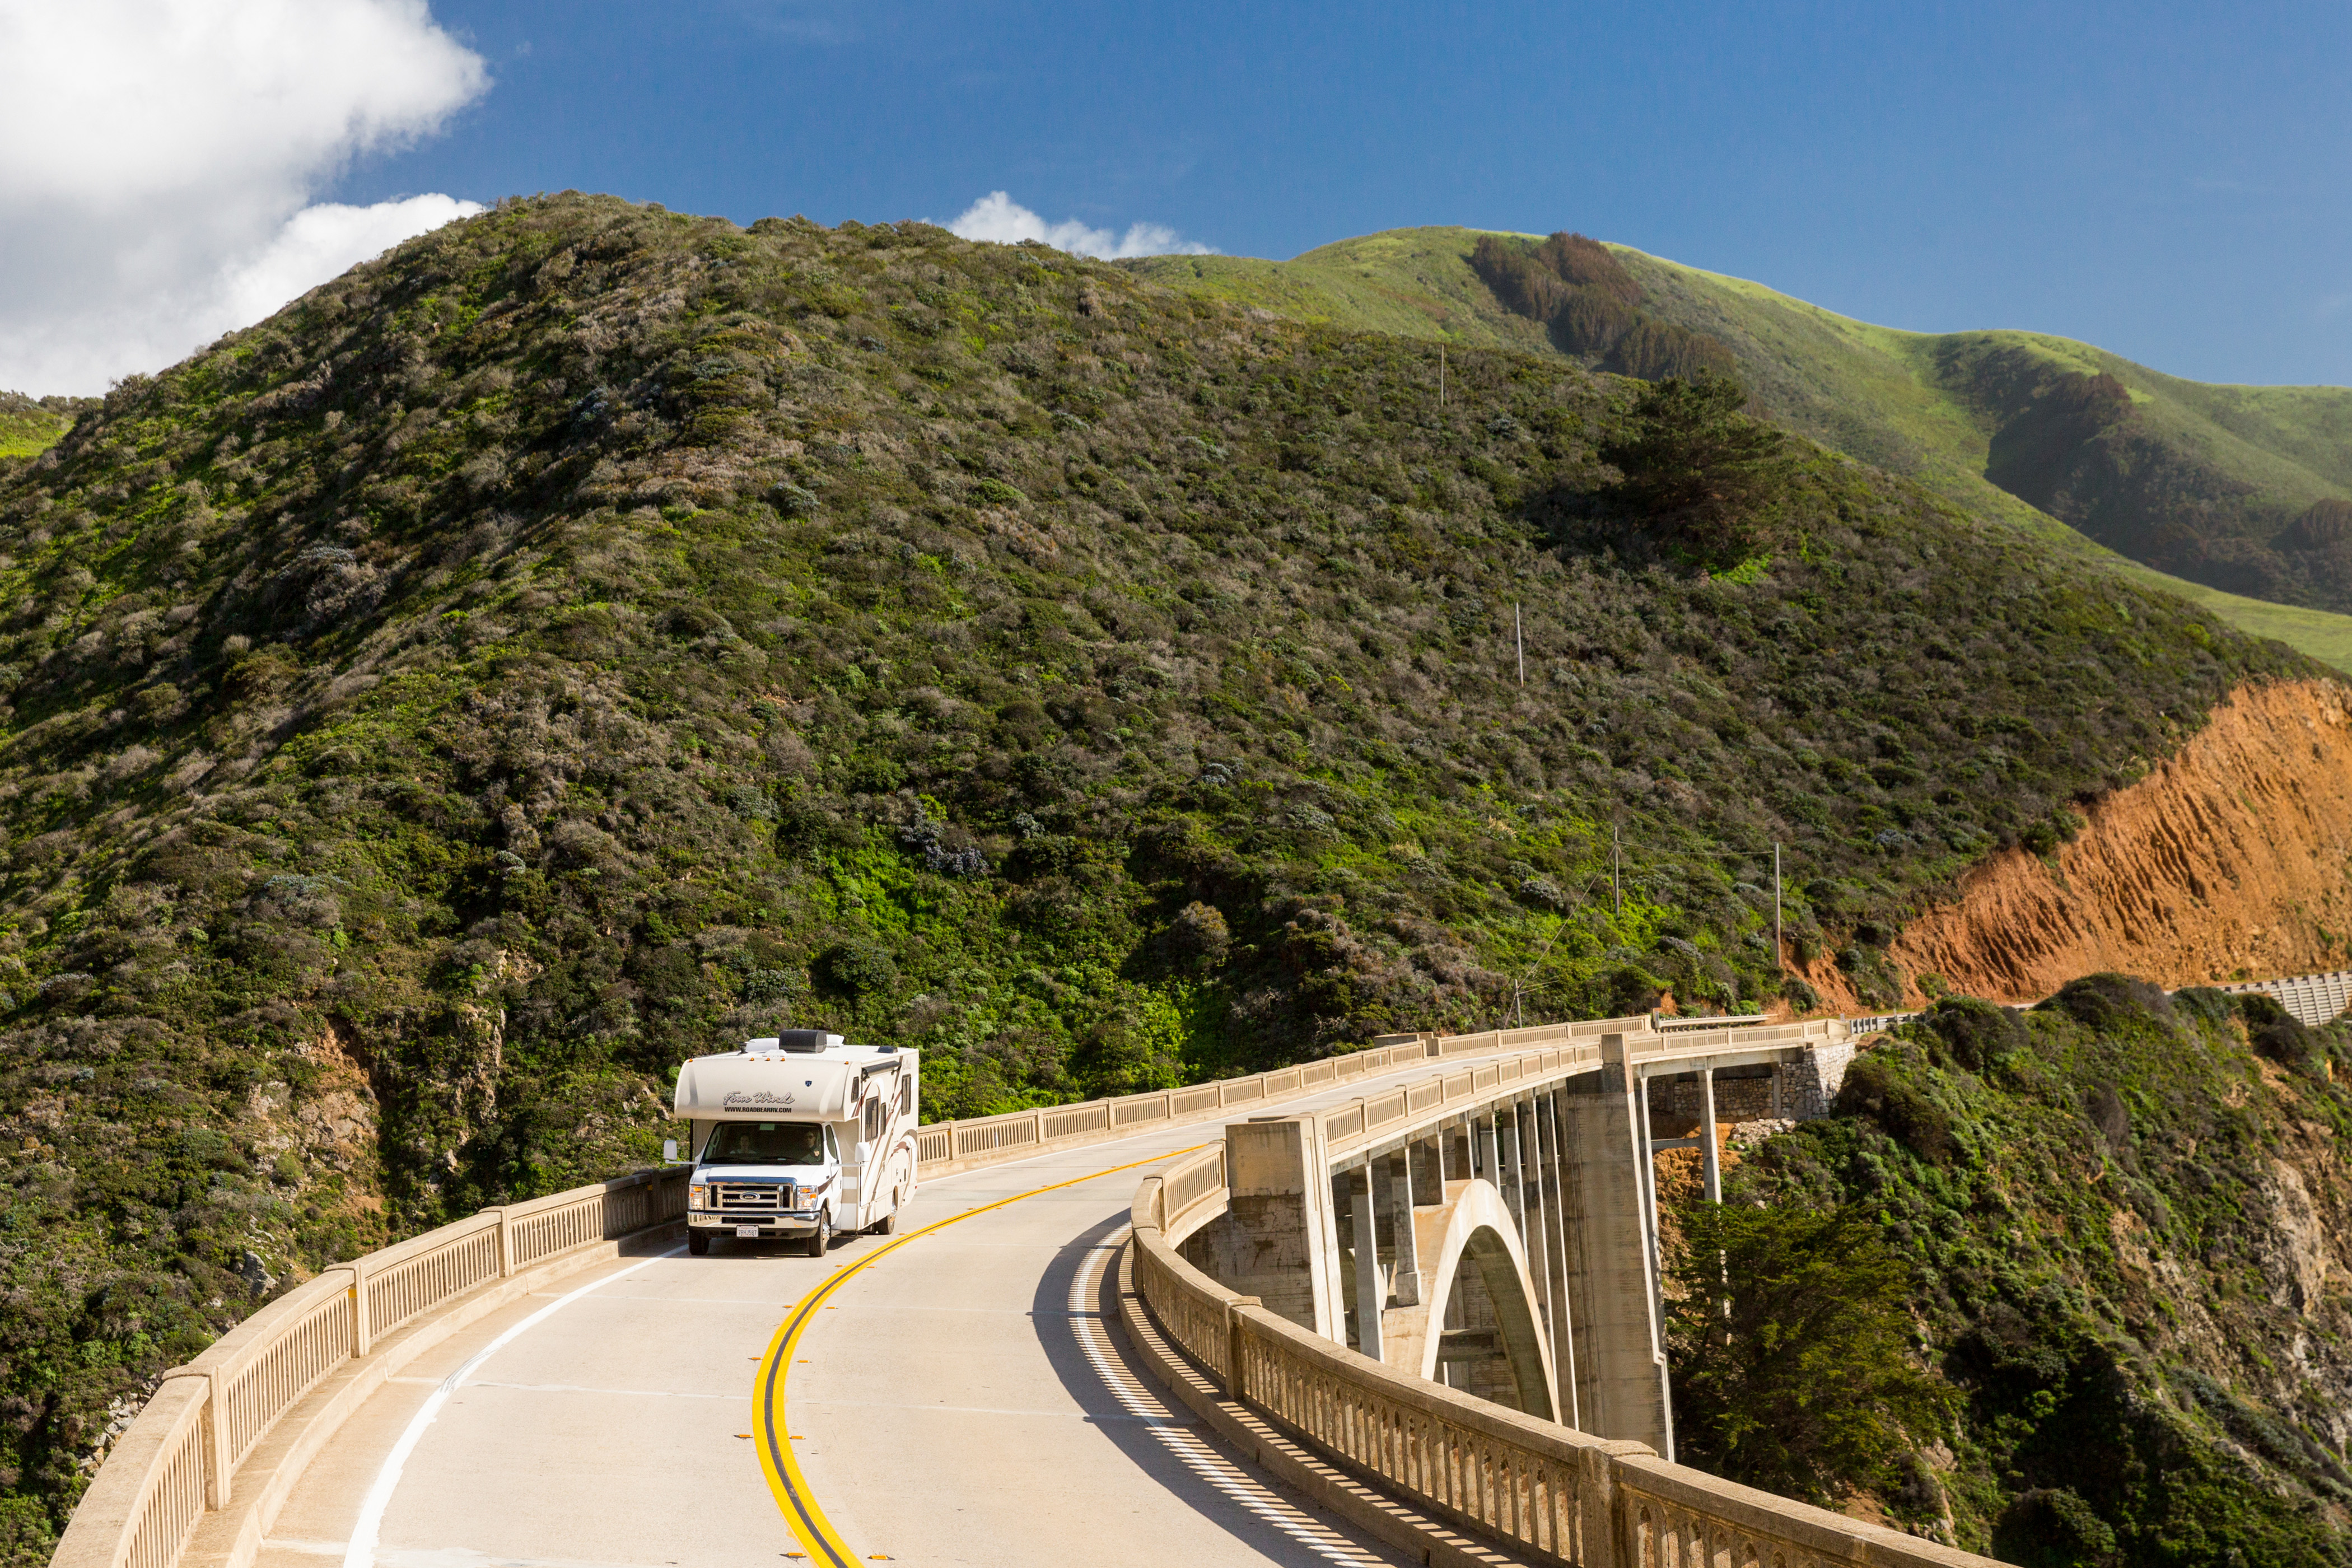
(1878, 1086)
(2051, 1527)
(2107, 1001)
(2279, 1035)
(857, 967)
(1973, 1035)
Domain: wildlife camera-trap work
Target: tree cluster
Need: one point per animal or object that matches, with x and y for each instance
(1590, 304)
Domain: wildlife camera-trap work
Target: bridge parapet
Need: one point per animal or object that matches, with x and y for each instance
(1535, 1489)
(179, 1464)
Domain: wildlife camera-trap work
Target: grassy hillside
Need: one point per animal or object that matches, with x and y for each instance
(2118, 1218)
(590, 635)
(30, 425)
(2209, 484)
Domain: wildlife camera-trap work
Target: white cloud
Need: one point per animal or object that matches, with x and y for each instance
(161, 155)
(999, 219)
(319, 242)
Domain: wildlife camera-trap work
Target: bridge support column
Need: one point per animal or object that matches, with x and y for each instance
(1406, 1283)
(1559, 1315)
(1621, 1363)
(1364, 1237)
(1279, 1241)
(1710, 1150)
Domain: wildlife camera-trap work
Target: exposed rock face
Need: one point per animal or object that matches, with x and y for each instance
(2228, 859)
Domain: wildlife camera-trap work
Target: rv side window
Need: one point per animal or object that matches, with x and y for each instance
(832, 1145)
(905, 1094)
(873, 1119)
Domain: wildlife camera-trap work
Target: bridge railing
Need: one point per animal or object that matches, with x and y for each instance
(178, 1459)
(944, 1147)
(1513, 1480)
(1346, 1126)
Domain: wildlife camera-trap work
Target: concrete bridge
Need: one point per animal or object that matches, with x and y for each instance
(1396, 1306)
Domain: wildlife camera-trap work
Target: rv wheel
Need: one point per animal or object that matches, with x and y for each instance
(887, 1223)
(698, 1244)
(823, 1233)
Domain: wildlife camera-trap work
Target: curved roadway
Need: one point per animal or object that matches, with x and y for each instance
(957, 1394)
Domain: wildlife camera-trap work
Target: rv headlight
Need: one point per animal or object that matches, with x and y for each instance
(697, 1195)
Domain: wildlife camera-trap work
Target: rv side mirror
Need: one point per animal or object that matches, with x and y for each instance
(669, 1151)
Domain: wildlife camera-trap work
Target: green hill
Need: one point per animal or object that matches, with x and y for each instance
(2212, 486)
(30, 425)
(2103, 1213)
(590, 635)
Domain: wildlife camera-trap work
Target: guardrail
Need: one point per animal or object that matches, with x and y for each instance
(178, 1460)
(1511, 1480)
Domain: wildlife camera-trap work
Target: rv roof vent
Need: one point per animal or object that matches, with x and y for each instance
(755, 1047)
(806, 1040)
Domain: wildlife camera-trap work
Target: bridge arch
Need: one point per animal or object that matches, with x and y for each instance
(1484, 1286)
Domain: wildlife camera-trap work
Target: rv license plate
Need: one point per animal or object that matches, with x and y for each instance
(750, 1232)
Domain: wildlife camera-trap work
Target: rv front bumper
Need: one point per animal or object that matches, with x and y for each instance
(795, 1224)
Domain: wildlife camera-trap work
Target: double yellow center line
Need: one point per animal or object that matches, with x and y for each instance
(801, 1511)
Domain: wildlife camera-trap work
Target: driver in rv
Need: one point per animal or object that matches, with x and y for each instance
(766, 1144)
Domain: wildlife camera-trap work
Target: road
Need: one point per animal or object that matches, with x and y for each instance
(956, 1395)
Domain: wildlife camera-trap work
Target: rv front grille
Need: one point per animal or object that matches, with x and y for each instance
(752, 1197)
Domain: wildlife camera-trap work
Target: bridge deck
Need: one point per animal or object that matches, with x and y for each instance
(964, 1399)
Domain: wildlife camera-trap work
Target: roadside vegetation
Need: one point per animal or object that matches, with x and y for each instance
(591, 634)
(2063, 1285)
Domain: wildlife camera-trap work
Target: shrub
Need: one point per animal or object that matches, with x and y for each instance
(856, 967)
(1199, 935)
(1973, 1035)
(2279, 1035)
(1878, 1086)
(2109, 1002)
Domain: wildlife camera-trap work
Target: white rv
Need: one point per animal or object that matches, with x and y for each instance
(799, 1136)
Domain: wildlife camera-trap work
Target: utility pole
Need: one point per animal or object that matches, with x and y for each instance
(1616, 886)
(1520, 641)
(1778, 961)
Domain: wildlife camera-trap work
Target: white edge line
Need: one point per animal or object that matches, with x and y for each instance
(361, 1554)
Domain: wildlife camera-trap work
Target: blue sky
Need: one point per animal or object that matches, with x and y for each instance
(2164, 180)
(2167, 181)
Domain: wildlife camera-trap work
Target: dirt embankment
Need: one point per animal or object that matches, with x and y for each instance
(2229, 860)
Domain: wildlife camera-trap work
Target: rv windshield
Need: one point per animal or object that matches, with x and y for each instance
(766, 1144)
